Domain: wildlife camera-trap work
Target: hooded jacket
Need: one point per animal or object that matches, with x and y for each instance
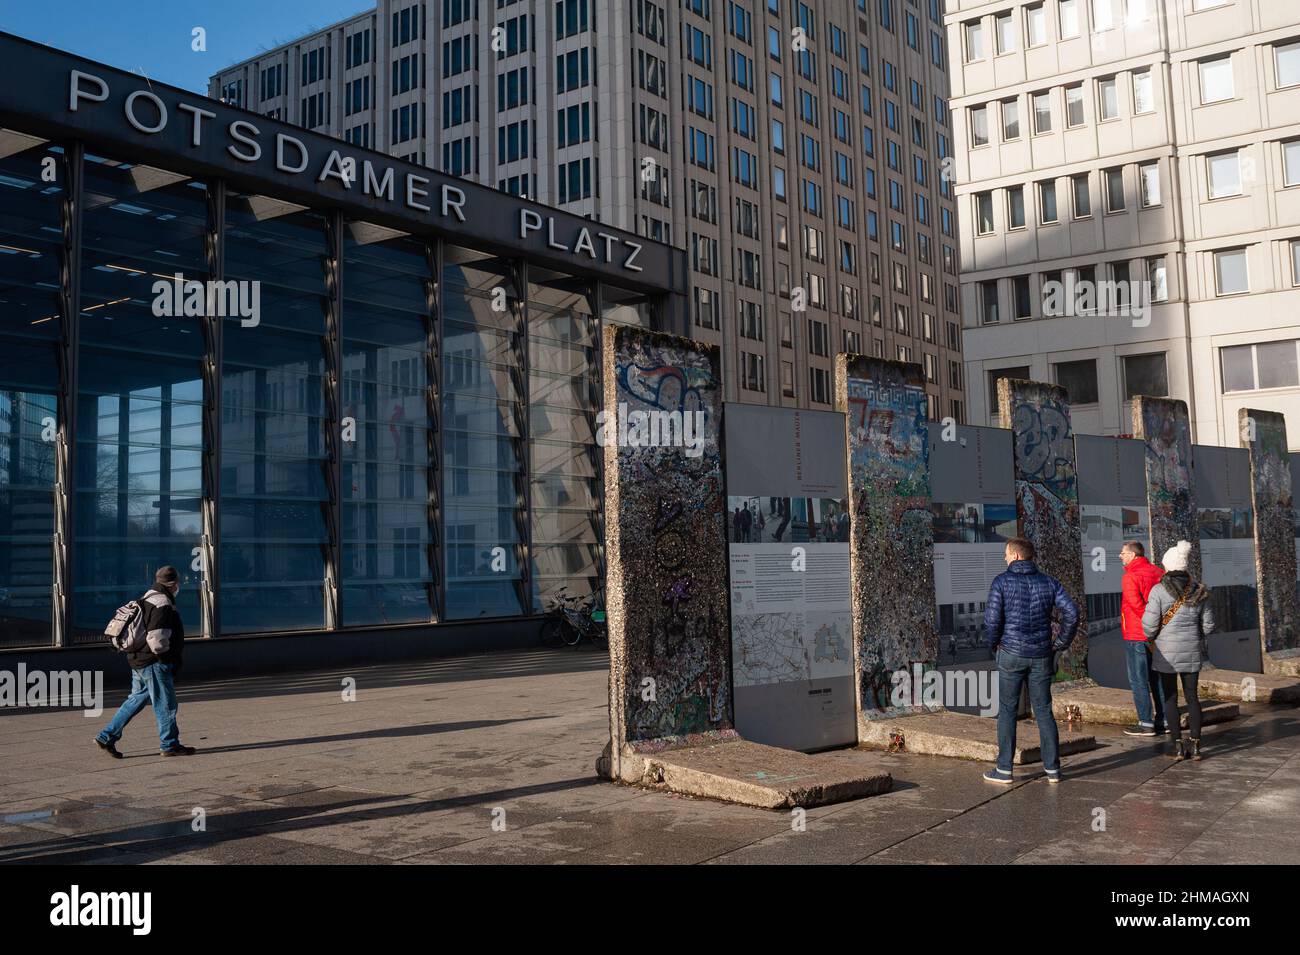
(1179, 644)
(1018, 615)
(1140, 576)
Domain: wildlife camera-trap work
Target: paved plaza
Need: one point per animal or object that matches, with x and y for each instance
(490, 759)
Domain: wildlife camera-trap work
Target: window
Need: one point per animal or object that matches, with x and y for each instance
(1103, 16)
(1069, 11)
(1020, 371)
(1231, 272)
(1158, 278)
(988, 303)
(1145, 375)
(1291, 163)
(1035, 25)
(1143, 97)
(1047, 202)
(1108, 98)
(984, 213)
(1224, 173)
(1042, 112)
(1208, 4)
(1010, 120)
(1238, 367)
(979, 126)
(974, 41)
(1082, 196)
(1115, 190)
(1006, 32)
(1149, 175)
(1295, 261)
(1216, 80)
(1074, 105)
(1287, 56)
(1016, 207)
(1020, 297)
(1264, 365)
(1079, 378)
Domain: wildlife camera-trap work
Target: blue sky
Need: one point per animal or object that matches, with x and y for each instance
(154, 36)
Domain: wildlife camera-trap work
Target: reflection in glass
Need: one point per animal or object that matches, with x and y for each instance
(274, 456)
(140, 394)
(564, 394)
(483, 467)
(30, 256)
(387, 577)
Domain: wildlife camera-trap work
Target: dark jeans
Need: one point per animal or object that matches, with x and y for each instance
(1013, 673)
(1146, 691)
(1169, 689)
(152, 684)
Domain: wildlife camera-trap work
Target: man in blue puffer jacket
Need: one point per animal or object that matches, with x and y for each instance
(1018, 626)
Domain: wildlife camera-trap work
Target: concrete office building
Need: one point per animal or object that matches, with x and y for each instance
(792, 149)
(1131, 140)
(393, 447)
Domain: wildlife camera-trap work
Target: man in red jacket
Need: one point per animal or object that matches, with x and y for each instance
(1140, 575)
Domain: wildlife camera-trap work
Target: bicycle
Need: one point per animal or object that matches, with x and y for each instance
(570, 618)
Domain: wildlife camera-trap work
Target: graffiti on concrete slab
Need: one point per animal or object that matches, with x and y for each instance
(1163, 426)
(1047, 492)
(1264, 434)
(892, 536)
(666, 587)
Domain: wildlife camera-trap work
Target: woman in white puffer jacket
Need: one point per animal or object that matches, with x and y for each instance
(1177, 620)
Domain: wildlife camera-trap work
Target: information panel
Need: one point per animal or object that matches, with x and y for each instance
(788, 528)
(974, 505)
(1225, 522)
(1112, 510)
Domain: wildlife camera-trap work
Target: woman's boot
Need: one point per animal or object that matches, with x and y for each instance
(1195, 750)
(1175, 751)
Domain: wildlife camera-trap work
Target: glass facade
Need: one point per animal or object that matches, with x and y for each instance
(322, 422)
(484, 436)
(31, 264)
(139, 414)
(275, 450)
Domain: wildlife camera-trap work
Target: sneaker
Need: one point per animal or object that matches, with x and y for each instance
(999, 777)
(1053, 775)
(110, 748)
(179, 750)
(1140, 729)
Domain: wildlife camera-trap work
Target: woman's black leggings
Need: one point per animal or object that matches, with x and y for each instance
(1169, 690)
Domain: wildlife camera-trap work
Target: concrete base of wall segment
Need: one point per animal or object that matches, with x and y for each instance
(958, 736)
(1086, 702)
(750, 774)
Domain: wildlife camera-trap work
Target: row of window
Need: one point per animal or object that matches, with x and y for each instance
(1037, 27)
(1107, 104)
(1113, 189)
(1145, 374)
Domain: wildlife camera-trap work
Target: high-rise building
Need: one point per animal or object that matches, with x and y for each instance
(1131, 141)
(793, 149)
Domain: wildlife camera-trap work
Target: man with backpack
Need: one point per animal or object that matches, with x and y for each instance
(150, 632)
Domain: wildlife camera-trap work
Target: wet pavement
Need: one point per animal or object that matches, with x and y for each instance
(491, 759)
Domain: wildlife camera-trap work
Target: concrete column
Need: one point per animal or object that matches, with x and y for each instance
(891, 547)
(665, 533)
(1263, 433)
(1162, 425)
(1047, 492)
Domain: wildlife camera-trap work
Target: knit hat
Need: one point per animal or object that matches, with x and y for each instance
(166, 575)
(1177, 557)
